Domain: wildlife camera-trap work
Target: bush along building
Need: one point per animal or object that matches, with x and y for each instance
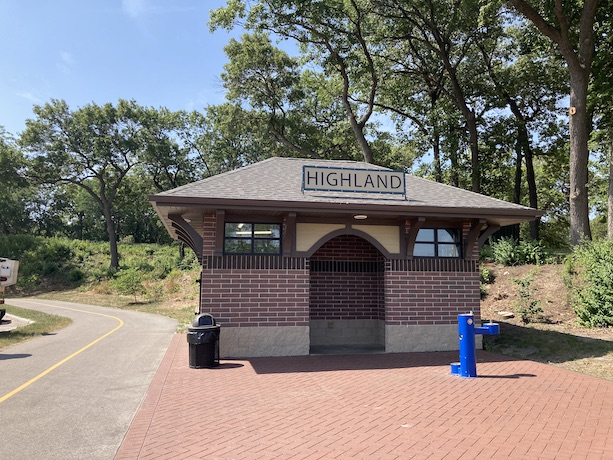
(298, 255)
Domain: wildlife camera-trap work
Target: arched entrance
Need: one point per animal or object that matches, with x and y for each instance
(346, 300)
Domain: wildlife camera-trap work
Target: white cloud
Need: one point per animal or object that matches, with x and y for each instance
(31, 97)
(66, 62)
(133, 8)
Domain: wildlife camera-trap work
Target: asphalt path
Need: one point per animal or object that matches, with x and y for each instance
(73, 394)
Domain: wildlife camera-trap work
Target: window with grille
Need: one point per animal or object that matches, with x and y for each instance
(252, 238)
(438, 242)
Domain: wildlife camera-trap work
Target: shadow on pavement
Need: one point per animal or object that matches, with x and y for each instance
(325, 363)
(4, 357)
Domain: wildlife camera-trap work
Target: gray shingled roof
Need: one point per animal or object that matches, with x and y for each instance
(278, 181)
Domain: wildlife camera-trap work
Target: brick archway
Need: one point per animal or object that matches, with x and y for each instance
(346, 294)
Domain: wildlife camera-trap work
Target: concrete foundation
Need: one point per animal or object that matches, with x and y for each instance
(347, 332)
(406, 339)
(241, 342)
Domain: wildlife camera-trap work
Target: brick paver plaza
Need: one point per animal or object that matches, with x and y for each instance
(375, 406)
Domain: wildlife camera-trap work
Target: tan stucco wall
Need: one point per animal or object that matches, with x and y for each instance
(309, 234)
(387, 235)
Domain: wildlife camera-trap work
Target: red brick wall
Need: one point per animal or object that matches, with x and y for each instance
(416, 292)
(256, 298)
(430, 297)
(346, 295)
(208, 234)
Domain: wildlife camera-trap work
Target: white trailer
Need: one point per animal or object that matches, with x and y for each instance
(8, 277)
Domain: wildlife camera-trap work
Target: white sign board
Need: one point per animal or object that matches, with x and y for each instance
(327, 179)
(8, 271)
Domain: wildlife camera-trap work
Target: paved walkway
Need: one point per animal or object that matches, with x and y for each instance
(376, 406)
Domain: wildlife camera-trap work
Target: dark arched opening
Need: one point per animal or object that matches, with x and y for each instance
(346, 297)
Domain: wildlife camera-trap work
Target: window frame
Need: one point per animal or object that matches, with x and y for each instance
(252, 238)
(436, 243)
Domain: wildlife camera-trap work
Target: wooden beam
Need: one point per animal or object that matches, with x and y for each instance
(487, 233)
(469, 242)
(289, 232)
(416, 224)
(187, 234)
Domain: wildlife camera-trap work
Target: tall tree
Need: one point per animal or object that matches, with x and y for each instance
(234, 137)
(570, 26)
(169, 157)
(15, 194)
(527, 81)
(93, 147)
(601, 96)
(334, 36)
(448, 31)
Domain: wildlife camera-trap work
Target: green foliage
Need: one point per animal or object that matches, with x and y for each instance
(39, 258)
(129, 282)
(594, 289)
(487, 277)
(504, 251)
(60, 263)
(507, 251)
(532, 252)
(526, 306)
(15, 193)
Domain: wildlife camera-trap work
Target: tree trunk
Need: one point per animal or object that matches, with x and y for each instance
(610, 194)
(532, 192)
(469, 118)
(474, 151)
(579, 61)
(518, 174)
(436, 148)
(579, 154)
(110, 229)
(523, 143)
(454, 176)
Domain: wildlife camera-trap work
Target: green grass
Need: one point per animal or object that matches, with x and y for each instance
(181, 310)
(43, 324)
(582, 354)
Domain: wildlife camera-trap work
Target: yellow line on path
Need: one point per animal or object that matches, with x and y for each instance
(55, 366)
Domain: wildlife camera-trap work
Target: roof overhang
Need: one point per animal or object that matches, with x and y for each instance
(191, 210)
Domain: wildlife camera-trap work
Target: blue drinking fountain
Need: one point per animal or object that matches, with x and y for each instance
(467, 367)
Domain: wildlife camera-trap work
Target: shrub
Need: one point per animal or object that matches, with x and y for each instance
(75, 275)
(504, 251)
(526, 306)
(487, 277)
(128, 282)
(594, 292)
(507, 251)
(531, 252)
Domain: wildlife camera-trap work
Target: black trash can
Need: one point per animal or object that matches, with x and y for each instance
(203, 340)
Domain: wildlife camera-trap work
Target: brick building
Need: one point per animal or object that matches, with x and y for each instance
(302, 254)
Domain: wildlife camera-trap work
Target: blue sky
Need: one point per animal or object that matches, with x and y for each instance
(158, 52)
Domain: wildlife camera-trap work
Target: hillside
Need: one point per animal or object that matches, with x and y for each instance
(555, 336)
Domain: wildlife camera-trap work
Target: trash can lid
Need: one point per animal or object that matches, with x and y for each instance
(202, 328)
(204, 319)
